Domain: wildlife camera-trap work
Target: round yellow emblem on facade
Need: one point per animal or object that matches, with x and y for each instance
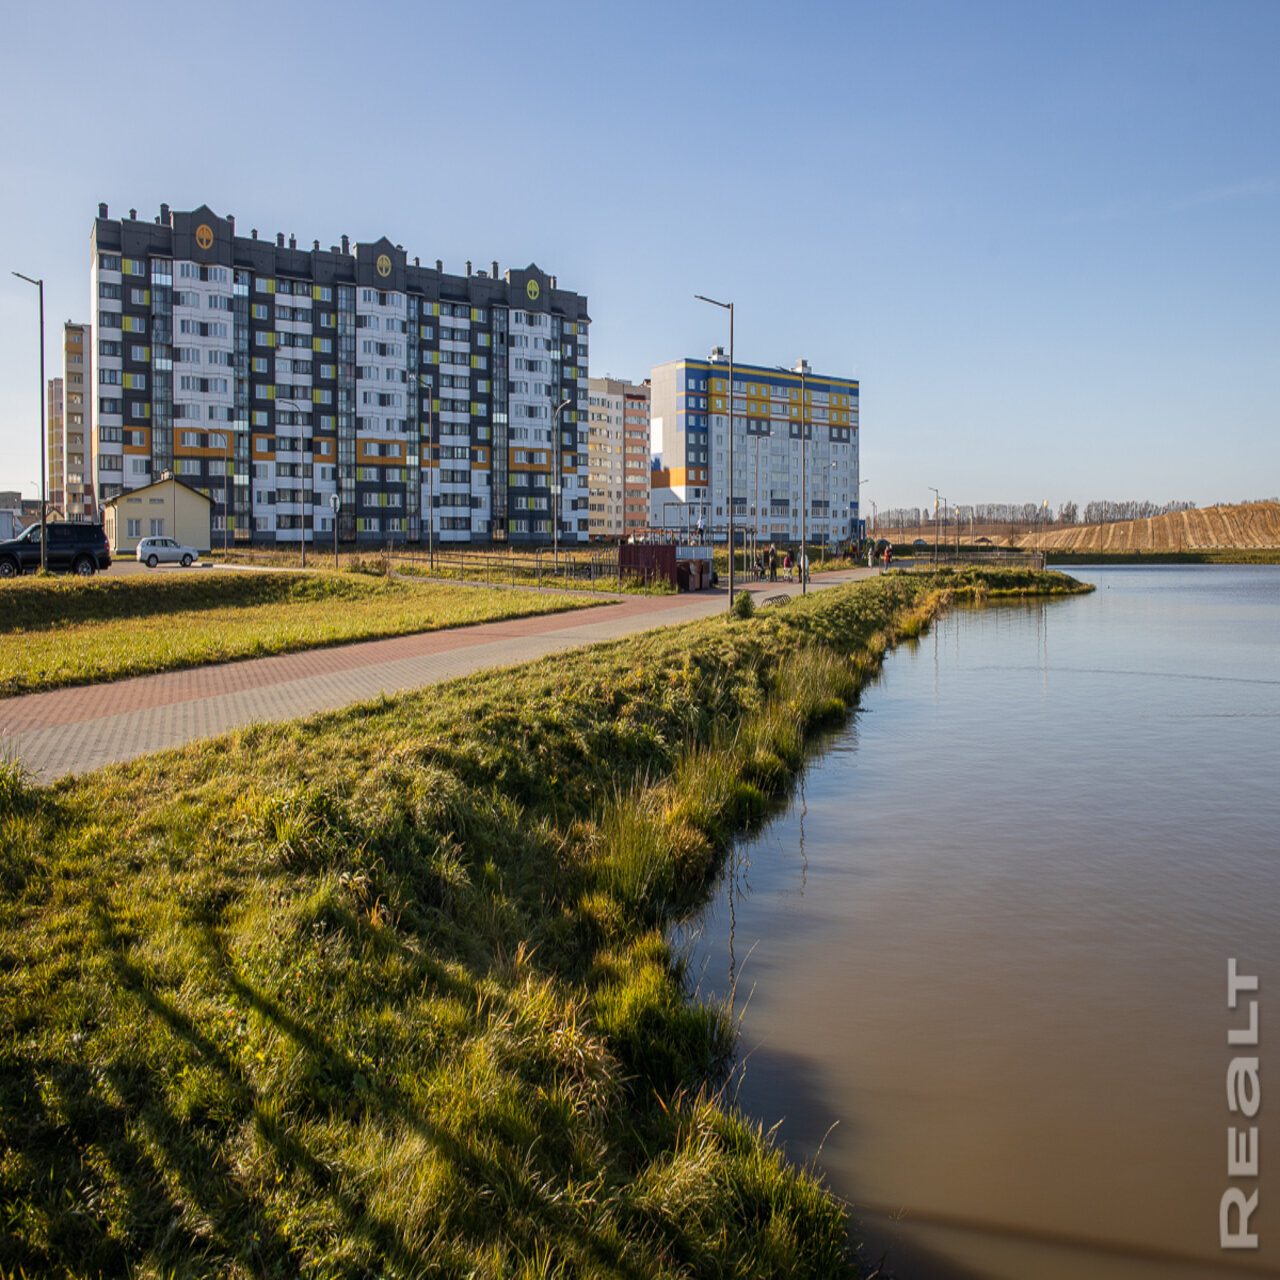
(384, 265)
(532, 290)
(204, 236)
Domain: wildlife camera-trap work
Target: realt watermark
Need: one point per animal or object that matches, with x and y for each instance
(1244, 1097)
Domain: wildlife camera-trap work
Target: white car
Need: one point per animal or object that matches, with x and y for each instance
(154, 551)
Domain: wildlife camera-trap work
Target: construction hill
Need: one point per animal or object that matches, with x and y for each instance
(1253, 525)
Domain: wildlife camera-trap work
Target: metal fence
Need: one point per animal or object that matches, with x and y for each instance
(576, 570)
(925, 561)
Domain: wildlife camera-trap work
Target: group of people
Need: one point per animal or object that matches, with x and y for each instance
(768, 562)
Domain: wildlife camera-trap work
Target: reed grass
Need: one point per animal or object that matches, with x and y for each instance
(388, 991)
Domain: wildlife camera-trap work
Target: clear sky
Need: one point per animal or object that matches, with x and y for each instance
(1045, 236)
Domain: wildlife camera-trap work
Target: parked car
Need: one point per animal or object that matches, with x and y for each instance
(154, 551)
(72, 548)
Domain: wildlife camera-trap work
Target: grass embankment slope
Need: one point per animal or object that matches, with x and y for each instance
(1248, 527)
(63, 631)
(388, 993)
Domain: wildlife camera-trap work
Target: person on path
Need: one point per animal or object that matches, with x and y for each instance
(773, 562)
(886, 555)
(786, 565)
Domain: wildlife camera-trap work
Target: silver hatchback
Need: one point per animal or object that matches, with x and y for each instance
(154, 551)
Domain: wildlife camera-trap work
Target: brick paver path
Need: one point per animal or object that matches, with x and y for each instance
(75, 730)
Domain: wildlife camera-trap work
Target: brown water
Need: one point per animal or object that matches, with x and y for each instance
(988, 939)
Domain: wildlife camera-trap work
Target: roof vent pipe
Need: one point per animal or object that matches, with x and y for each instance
(231, 222)
(468, 266)
(495, 269)
(279, 239)
(315, 246)
(346, 244)
(164, 215)
(102, 209)
(133, 215)
(254, 233)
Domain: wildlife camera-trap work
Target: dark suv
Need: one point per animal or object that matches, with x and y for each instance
(73, 548)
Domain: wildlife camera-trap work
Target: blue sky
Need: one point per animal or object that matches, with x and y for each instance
(1046, 237)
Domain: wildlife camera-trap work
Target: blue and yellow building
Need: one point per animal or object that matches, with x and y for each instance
(795, 450)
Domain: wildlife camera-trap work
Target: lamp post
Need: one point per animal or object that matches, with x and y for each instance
(226, 491)
(936, 500)
(556, 484)
(44, 550)
(826, 505)
(802, 368)
(728, 306)
(306, 448)
(431, 482)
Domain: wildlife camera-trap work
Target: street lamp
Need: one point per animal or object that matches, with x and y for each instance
(307, 449)
(826, 504)
(936, 500)
(226, 492)
(728, 306)
(802, 368)
(431, 481)
(44, 550)
(555, 487)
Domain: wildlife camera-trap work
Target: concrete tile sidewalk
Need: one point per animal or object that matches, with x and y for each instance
(70, 731)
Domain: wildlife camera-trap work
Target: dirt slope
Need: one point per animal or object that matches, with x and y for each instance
(1253, 525)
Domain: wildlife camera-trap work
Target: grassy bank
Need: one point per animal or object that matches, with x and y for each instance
(388, 992)
(62, 631)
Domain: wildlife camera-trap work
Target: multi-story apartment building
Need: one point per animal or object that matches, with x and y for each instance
(55, 432)
(296, 387)
(77, 470)
(795, 450)
(618, 457)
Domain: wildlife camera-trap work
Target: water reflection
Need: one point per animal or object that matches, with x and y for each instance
(988, 938)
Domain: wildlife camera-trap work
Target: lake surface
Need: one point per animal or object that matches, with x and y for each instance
(988, 938)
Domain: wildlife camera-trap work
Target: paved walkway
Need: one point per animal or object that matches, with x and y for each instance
(70, 731)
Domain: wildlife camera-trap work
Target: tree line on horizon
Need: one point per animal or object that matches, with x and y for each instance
(1099, 511)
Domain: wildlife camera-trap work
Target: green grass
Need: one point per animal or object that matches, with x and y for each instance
(59, 631)
(388, 992)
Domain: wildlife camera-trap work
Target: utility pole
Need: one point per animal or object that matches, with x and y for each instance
(936, 500)
(556, 485)
(44, 484)
(728, 306)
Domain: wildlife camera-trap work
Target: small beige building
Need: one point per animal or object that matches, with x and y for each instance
(166, 509)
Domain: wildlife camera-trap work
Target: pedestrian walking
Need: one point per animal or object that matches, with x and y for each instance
(786, 565)
(773, 562)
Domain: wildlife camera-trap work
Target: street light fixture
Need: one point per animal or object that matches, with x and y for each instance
(936, 499)
(802, 368)
(556, 484)
(431, 481)
(44, 550)
(226, 491)
(826, 504)
(308, 449)
(728, 306)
